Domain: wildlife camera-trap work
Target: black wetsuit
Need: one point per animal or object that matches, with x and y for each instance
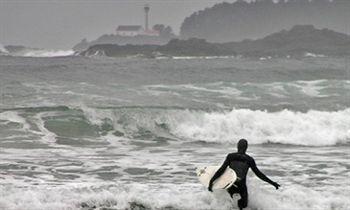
(240, 163)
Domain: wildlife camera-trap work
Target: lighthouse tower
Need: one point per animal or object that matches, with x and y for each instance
(148, 31)
(146, 8)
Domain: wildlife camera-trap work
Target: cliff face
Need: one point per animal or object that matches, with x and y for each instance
(241, 20)
(296, 42)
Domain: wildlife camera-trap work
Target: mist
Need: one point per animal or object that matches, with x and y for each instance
(55, 24)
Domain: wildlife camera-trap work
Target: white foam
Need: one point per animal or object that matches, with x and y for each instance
(13, 116)
(216, 88)
(3, 49)
(313, 128)
(184, 57)
(93, 115)
(311, 88)
(314, 89)
(308, 88)
(313, 55)
(200, 57)
(296, 197)
(177, 196)
(47, 136)
(230, 91)
(49, 53)
(44, 53)
(118, 197)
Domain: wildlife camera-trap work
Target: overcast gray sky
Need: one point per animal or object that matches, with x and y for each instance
(59, 24)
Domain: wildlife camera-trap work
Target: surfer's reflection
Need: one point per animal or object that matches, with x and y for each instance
(240, 162)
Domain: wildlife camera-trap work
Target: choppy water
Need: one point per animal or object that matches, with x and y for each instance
(85, 133)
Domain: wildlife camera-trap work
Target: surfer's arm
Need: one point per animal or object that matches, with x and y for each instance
(220, 171)
(260, 174)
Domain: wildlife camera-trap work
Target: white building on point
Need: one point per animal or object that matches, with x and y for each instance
(129, 30)
(135, 30)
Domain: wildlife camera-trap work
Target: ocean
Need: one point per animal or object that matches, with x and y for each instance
(128, 133)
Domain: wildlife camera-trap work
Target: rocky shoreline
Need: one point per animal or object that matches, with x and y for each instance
(299, 41)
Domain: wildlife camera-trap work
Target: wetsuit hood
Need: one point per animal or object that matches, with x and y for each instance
(242, 146)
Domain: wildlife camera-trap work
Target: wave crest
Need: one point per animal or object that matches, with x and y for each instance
(313, 128)
(46, 53)
(3, 49)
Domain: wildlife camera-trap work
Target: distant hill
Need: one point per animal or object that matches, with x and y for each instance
(227, 22)
(299, 41)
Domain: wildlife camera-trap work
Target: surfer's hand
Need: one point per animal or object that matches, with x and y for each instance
(276, 185)
(210, 188)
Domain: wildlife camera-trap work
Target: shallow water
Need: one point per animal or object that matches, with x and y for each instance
(88, 133)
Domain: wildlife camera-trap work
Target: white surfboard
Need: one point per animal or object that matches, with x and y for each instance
(225, 181)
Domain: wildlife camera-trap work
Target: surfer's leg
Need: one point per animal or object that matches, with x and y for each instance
(243, 202)
(232, 190)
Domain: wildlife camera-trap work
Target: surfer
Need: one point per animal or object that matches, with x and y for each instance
(240, 162)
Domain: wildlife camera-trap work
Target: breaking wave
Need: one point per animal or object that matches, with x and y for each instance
(3, 49)
(45, 53)
(312, 128)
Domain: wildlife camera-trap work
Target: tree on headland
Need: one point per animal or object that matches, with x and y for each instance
(164, 31)
(296, 42)
(241, 19)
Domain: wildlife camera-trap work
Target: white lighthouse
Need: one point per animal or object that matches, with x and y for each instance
(146, 9)
(148, 31)
(137, 30)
